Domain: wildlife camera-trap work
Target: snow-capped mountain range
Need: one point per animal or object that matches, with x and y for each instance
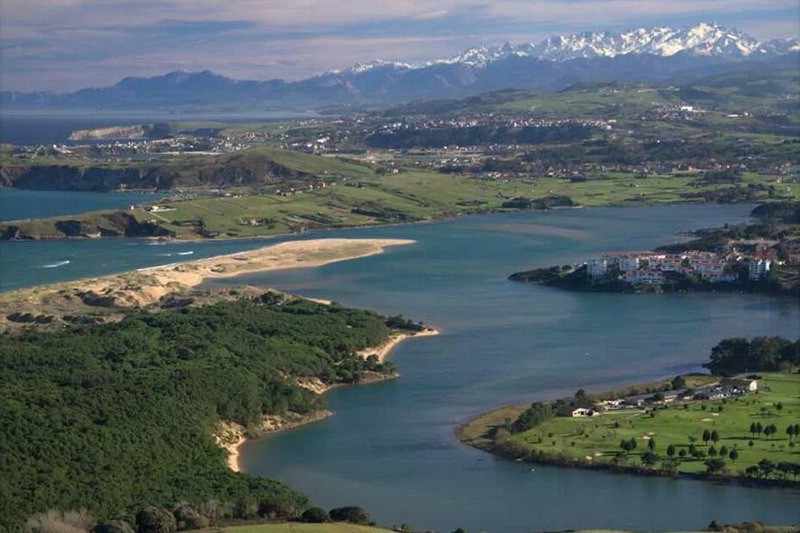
(703, 39)
(654, 55)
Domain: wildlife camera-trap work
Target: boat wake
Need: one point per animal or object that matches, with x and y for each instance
(57, 264)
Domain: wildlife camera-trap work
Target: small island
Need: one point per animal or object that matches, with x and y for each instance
(759, 257)
(740, 422)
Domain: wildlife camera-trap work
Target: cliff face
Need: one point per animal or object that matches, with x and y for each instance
(222, 171)
(114, 132)
(74, 178)
(115, 224)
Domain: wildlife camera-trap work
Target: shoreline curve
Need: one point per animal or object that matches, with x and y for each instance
(382, 351)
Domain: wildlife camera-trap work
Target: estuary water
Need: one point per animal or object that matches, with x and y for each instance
(391, 447)
(18, 204)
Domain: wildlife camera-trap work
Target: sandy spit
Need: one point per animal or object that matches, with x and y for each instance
(147, 286)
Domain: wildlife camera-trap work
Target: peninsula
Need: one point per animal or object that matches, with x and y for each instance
(154, 377)
(737, 423)
(231, 436)
(109, 298)
(763, 256)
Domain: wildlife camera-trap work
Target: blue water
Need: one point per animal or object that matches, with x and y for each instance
(391, 448)
(28, 263)
(17, 204)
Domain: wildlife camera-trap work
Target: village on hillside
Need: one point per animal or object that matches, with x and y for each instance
(654, 268)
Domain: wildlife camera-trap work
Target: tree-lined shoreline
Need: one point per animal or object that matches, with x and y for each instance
(153, 387)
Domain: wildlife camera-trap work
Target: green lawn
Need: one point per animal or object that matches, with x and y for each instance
(597, 439)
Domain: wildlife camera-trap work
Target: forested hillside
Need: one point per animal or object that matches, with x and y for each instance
(116, 417)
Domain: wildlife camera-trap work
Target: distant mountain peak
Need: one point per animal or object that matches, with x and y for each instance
(360, 68)
(703, 39)
(707, 39)
(641, 55)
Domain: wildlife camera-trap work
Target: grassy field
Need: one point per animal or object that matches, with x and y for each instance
(366, 199)
(597, 439)
(414, 196)
(589, 101)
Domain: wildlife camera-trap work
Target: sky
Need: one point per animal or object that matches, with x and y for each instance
(64, 45)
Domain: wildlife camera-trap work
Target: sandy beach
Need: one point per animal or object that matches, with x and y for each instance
(110, 295)
(231, 436)
(382, 352)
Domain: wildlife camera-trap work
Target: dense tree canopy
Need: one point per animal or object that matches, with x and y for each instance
(119, 416)
(734, 356)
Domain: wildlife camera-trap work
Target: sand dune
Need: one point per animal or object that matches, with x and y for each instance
(108, 296)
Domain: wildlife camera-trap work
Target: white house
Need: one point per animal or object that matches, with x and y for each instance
(750, 385)
(583, 412)
(612, 404)
(759, 268)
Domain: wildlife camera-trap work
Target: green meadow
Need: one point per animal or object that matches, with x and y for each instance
(412, 196)
(364, 198)
(597, 439)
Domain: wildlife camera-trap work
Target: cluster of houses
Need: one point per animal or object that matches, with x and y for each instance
(651, 268)
(723, 389)
(490, 119)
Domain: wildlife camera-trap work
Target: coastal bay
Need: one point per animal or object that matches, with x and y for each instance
(233, 436)
(210, 286)
(392, 448)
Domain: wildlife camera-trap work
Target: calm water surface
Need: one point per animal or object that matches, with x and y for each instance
(17, 204)
(391, 448)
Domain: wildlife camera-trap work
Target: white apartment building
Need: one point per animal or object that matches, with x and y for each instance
(759, 268)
